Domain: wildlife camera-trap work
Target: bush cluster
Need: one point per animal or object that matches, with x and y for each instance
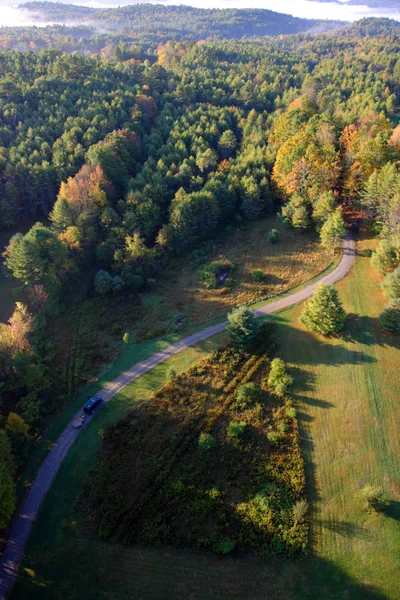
(217, 274)
(209, 449)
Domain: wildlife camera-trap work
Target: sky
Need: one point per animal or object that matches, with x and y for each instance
(10, 16)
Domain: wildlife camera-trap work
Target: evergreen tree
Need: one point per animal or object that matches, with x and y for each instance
(61, 215)
(323, 312)
(391, 284)
(323, 208)
(333, 230)
(390, 317)
(386, 258)
(243, 327)
(227, 143)
(300, 218)
(38, 257)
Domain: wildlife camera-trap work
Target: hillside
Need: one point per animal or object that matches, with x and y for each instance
(372, 27)
(346, 397)
(180, 22)
(176, 176)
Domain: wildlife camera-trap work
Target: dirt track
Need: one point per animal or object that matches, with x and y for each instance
(22, 524)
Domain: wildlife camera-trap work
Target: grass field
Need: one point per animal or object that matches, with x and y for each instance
(294, 259)
(347, 395)
(87, 335)
(88, 354)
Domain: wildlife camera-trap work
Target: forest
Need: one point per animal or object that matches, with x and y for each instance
(141, 153)
(179, 22)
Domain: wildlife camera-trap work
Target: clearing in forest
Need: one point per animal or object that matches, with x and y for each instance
(347, 399)
(87, 335)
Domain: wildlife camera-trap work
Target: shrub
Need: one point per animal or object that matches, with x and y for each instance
(133, 282)
(323, 312)
(257, 276)
(386, 258)
(273, 437)
(278, 378)
(273, 236)
(171, 375)
(300, 510)
(206, 441)
(292, 412)
(243, 327)
(224, 546)
(391, 284)
(103, 282)
(246, 395)
(117, 283)
(235, 429)
(210, 273)
(18, 434)
(370, 498)
(283, 427)
(390, 317)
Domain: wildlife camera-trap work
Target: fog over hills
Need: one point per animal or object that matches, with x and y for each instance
(317, 9)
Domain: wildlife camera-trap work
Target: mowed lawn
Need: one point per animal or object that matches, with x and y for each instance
(347, 391)
(349, 398)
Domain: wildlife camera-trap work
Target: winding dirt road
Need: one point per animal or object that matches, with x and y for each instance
(23, 521)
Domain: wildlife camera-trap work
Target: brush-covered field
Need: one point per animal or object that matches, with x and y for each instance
(211, 462)
(183, 298)
(346, 391)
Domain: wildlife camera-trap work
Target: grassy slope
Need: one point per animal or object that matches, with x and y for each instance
(86, 335)
(286, 253)
(290, 262)
(348, 396)
(349, 393)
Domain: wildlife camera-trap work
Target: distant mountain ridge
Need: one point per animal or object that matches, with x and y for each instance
(181, 22)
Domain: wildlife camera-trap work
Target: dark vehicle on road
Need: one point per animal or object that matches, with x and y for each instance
(92, 404)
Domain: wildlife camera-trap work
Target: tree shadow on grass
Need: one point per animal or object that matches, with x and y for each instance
(367, 253)
(306, 349)
(345, 529)
(367, 331)
(86, 568)
(324, 351)
(313, 401)
(391, 509)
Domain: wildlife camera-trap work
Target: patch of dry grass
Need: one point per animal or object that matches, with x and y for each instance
(293, 260)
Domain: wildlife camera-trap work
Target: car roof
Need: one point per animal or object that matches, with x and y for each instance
(92, 401)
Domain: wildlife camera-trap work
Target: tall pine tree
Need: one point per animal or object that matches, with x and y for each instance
(323, 312)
